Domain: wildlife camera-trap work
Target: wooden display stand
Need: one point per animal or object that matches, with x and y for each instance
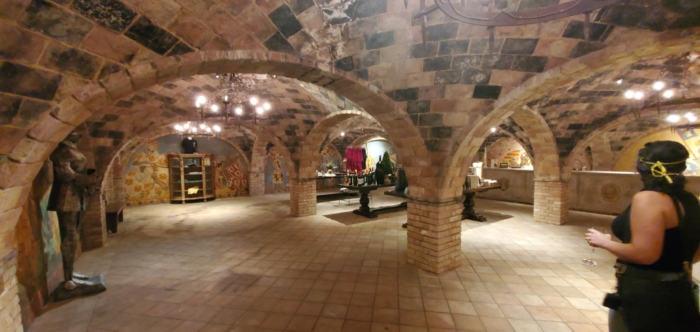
(188, 171)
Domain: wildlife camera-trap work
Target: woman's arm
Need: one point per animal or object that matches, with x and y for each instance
(647, 223)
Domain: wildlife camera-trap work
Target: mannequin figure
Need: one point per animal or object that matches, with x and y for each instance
(189, 145)
(71, 184)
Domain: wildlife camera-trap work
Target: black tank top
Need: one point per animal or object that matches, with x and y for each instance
(680, 242)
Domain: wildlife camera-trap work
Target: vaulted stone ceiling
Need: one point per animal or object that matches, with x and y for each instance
(51, 49)
(579, 108)
(296, 108)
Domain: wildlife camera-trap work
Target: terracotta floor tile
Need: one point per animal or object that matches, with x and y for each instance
(229, 273)
(334, 310)
(310, 308)
(300, 323)
(439, 320)
(359, 313)
(325, 324)
(356, 326)
(385, 315)
(412, 318)
(515, 311)
(251, 318)
(276, 321)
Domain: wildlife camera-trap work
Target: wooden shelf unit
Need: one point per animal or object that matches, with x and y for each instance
(191, 170)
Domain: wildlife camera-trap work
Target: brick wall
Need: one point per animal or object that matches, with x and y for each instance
(256, 183)
(10, 315)
(302, 197)
(551, 202)
(94, 229)
(434, 235)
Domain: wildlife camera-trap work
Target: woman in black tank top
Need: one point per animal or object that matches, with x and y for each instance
(660, 236)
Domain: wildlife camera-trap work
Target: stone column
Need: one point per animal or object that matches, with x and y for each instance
(302, 196)
(10, 311)
(434, 235)
(551, 202)
(94, 227)
(256, 183)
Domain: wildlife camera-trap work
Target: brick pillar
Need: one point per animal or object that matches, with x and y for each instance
(94, 228)
(434, 235)
(10, 311)
(256, 184)
(551, 202)
(302, 197)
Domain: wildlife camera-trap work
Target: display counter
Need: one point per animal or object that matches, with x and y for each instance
(590, 191)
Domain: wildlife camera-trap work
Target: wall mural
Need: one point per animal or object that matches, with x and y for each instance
(508, 151)
(146, 173)
(329, 156)
(377, 148)
(37, 239)
(276, 174)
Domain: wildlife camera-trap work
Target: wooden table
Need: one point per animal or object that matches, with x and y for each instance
(468, 212)
(364, 209)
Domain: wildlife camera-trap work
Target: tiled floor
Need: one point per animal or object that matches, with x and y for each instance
(242, 265)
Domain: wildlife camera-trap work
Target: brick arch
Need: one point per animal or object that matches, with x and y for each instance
(394, 119)
(470, 138)
(366, 138)
(313, 144)
(594, 136)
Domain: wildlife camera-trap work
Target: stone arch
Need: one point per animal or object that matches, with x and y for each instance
(303, 187)
(366, 138)
(619, 122)
(393, 118)
(515, 104)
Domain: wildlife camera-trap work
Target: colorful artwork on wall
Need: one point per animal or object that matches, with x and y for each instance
(37, 239)
(691, 139)
(146, 174)
(329, 155)
(276, 174)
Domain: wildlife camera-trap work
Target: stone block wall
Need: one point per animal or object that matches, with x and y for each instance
(10, 314)
(434, 235)
(302, 197)
(94, 227)
(551, 202)
(256, 184)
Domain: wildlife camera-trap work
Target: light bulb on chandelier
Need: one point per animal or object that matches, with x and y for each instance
(342, 134)
(658, 85)
(239, 110)
(201, 100)
(253, 101)
(214, 108)
(267, 106)
(217, 129)
(673, 118)
(668, 94)
(259, 110)
(629, 94)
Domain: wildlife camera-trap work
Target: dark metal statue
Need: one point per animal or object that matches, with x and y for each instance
(71, 185)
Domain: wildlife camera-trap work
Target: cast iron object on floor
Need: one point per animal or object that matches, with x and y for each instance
(468, 212)
(85, 285)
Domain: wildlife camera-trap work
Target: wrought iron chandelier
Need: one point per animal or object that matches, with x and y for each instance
(493, 14)
(234, 99)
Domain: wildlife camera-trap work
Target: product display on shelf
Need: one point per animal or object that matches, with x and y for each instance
(191, 178)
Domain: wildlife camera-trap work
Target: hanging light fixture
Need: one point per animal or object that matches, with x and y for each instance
(235, 96)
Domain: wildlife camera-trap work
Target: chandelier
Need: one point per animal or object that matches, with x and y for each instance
(493, 14)
(661, 92)
(234, 99)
